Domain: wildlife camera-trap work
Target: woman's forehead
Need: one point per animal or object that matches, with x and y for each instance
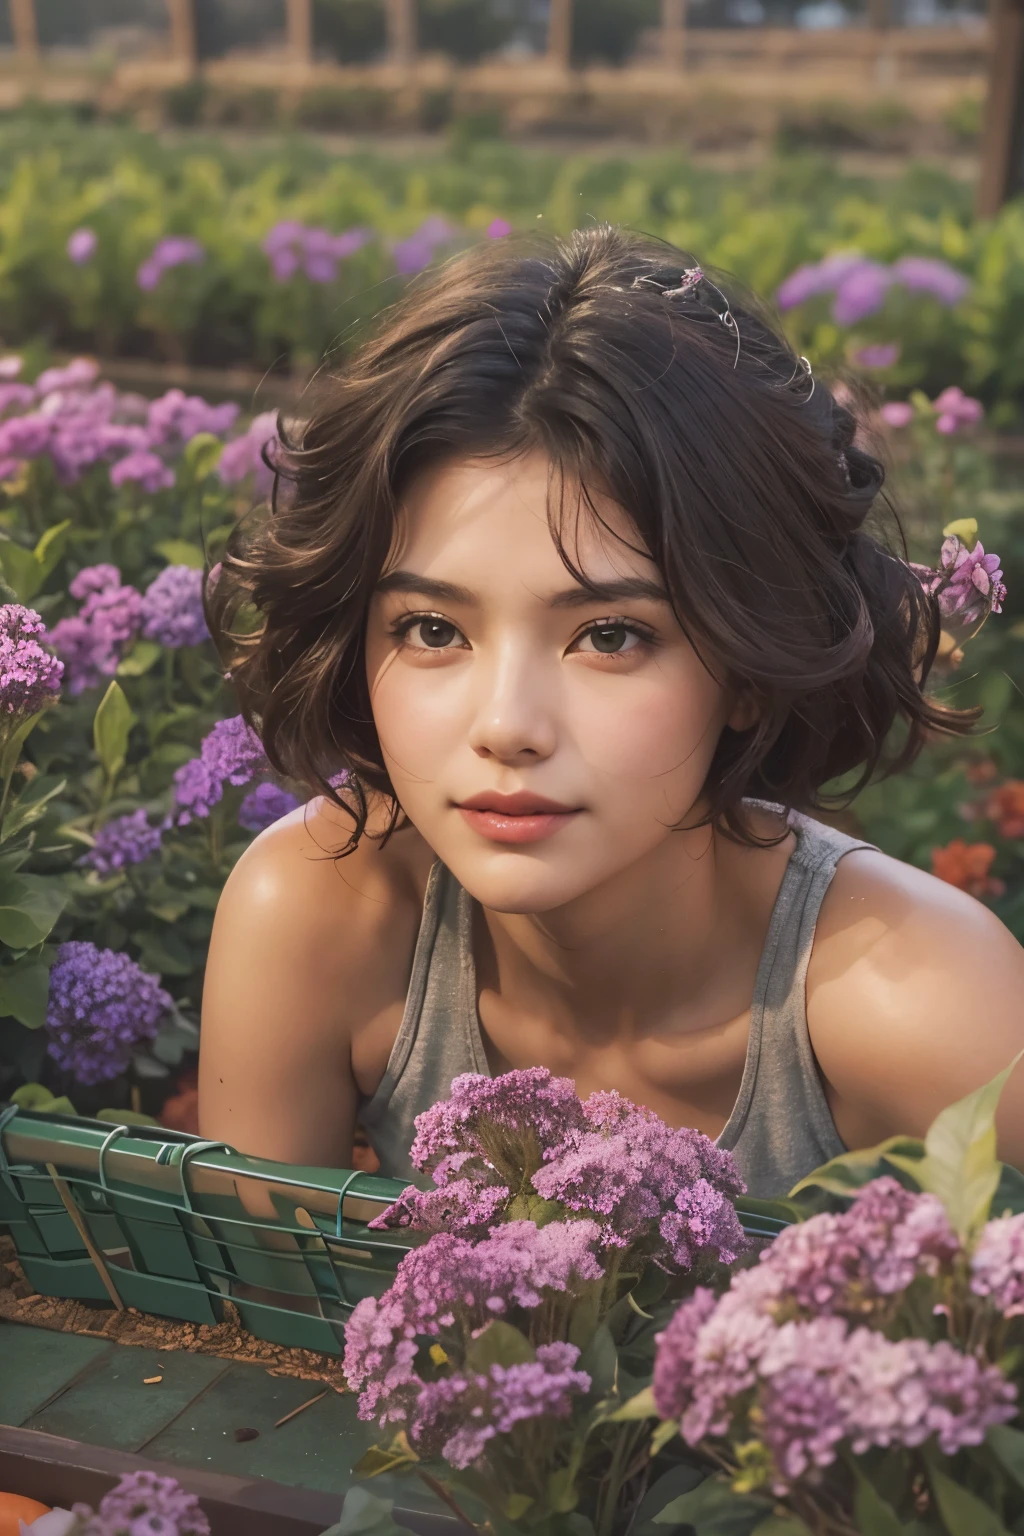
(510, 511)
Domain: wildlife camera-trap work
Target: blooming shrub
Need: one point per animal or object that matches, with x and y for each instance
(489, 1351)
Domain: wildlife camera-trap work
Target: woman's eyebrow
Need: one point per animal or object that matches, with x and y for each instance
(572, 597)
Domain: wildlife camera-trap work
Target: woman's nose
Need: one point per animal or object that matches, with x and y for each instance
(514, 717)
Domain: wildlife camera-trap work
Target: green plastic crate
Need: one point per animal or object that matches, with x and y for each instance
(169, 1231)
(159, 1218)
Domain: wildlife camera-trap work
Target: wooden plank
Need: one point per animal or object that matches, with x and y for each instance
(112, 1406)
(1002, 151)
(37, 1365)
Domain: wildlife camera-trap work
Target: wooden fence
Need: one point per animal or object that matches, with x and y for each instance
(892, 52)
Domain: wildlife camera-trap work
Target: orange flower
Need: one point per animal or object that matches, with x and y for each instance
(1005, 806)
(967, 865)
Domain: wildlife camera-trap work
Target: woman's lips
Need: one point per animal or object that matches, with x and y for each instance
(503, 827)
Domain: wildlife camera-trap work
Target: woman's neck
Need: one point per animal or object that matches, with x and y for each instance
(673, 941)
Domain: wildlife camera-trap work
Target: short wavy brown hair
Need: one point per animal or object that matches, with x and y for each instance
(745, 486)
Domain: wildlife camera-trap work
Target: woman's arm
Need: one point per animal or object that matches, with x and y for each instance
(915, 998)
(302, 962)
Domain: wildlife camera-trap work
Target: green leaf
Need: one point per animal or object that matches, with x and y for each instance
(673, 1483)
(873, 1514)
(960, 1164)
(362, 1514)
(111, 729)
(562, 1493)
(50, 548)
(639, 1407)
(600, 1360)
(786, 1525)
(499, 1344)
(24, 991)
(202, 454)
(398, 1456)
(30, 807)
(20, 569)
(963, 1513)
(845, 1175)
(34, 1096)
(516, 1505)
(29, 907)
(11, 750)
(181, 552)
(143, 654)
(714, 1510)
(124, 1117)
(1008, 1446)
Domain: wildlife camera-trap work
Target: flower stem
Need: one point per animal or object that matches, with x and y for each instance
(446, 1498)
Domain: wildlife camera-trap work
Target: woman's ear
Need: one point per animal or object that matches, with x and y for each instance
(744, 711)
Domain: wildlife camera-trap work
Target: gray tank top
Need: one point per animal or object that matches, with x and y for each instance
(780, 1127)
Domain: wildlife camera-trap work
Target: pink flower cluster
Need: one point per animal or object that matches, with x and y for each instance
(451, 1289)
(797, 1341)
(457, 1415)
(29, 674)
(860, 285)
(952, 409)
(968, 582)
(93, 641)
(663, 1192)
(76, 423)
(292, 247)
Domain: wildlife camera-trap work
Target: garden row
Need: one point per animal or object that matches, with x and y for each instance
(118, 243)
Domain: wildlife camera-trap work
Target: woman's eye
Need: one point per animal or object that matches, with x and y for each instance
(431, 634)
(610, 639)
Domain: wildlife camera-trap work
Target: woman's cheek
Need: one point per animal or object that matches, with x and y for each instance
(659, 733)
(417, 714)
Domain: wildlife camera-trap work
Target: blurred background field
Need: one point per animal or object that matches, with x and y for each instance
(203, 201)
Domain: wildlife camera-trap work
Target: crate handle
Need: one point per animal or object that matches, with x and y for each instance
(342, 1192)
(111, 1136)
(187, 1154)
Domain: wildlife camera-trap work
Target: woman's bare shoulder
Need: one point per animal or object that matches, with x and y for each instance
(295, 874)
(915, 996)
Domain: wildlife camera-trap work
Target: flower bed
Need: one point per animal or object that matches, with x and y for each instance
(114, 241)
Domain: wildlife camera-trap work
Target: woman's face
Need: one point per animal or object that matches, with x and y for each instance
(541, 739)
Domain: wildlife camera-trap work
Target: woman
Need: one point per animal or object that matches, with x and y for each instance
(576, 587)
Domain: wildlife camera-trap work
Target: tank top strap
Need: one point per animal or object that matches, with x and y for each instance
(781, 1125)
(439, 1037)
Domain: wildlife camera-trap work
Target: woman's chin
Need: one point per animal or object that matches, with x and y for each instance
(517, 882)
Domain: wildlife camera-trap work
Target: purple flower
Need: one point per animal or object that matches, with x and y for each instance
(29, 675)
(814, 279)
(416, 252)
(878, 355)
(291, 246)
(649, 1184)
(10, 366)
(146, 1504)
(676, 1354)
(997, 1265)
(82, 246)
(264, 805)
(93, 641)
(969, 582)
(244, 455)
(923, 274)
(146, 468)
(102, 1007)
(16, 395)
(462, 1206)
(126, 840)
(21, 438)
(861, 292)
(505, 1122)
(956, 410)
(497, 229)
(232, 753)
(172, 251)
(78, 374)
(457, 1415)
(897, 413)
(94, 578)
(453, 1285)
(176, 417)
(172, 608)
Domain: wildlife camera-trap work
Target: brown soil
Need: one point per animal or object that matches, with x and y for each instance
(19, 1303)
